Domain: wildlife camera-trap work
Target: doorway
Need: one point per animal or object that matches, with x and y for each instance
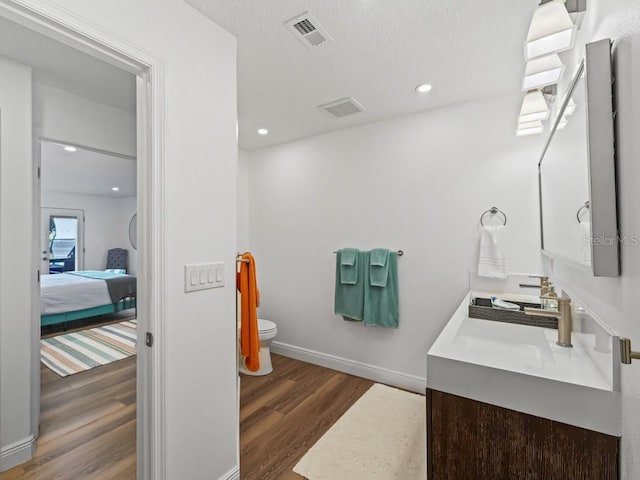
(148, 121)
(62, 240)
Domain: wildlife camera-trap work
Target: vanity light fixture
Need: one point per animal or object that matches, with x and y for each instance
(529, 128)
(69, 148)
(542, 71)
(551, 30)
(115, 189)
(263, 131)
(424, 88)
(534, 107)
(562, 123)
(570, 108)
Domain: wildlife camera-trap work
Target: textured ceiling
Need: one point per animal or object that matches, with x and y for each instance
(63, 67)
(86, 172)
(380, 51)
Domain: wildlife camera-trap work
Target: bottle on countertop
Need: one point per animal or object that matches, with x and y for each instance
(550, 304)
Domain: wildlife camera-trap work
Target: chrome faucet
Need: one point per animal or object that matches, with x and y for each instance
(565, 321)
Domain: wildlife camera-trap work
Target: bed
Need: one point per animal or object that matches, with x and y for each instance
(78, 295)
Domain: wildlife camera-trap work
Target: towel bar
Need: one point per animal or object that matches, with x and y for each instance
(400, 252)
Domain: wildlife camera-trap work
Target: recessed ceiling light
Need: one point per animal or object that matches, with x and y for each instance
(424, 88)
(263, 131)
(69, 148)
(115, 189)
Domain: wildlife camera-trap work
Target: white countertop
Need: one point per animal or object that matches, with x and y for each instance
(520, 367)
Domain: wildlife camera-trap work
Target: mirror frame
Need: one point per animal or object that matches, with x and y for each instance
(133, 231)
(599, 98)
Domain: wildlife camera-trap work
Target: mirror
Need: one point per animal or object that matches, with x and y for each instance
(577, 171)
(133, 231)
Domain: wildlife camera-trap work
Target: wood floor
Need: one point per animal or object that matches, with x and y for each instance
(283, 414)
(88, 421)
(87, 425)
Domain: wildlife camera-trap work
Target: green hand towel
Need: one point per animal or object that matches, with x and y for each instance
(349, 298)
(381, 303)
(348, 265)
(379, 267)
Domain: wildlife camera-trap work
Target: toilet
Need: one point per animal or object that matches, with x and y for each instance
(267, 330)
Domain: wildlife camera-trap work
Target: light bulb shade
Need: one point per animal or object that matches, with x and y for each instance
(562, 123)
(529, 128)
(542, 71)
(570, 108)
(551, 30)
(534, 107)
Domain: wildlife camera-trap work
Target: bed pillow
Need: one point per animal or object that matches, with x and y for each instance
(120, 271)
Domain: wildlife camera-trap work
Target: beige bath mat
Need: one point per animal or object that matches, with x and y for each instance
(382, 436)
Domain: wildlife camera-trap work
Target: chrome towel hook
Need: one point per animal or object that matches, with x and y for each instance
(493, 211)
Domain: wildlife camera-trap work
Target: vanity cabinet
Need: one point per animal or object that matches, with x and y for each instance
(467, 439)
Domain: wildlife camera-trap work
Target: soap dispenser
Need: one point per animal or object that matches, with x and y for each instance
(549, 303)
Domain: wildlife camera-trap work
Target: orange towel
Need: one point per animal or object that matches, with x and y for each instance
(250, 301)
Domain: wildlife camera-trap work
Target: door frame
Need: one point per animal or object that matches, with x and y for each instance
(60, 24)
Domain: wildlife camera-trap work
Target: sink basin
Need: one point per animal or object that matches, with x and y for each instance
(529, 349)
(520, 367)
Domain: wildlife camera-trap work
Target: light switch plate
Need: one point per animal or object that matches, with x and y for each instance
(203, 276)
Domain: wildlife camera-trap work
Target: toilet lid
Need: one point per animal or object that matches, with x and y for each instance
(266, 326)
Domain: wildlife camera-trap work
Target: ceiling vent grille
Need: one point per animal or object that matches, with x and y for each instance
(308, 30)
(342, 108)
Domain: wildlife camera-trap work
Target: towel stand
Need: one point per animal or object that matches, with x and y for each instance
(400, 252)
(493, 211)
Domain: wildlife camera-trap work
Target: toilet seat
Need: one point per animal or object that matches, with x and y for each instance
(266, 326)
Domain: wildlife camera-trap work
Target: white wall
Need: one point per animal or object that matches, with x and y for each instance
(63, 116)
(17, 277)
(243, 200)
(417, 183)
(201, 155)
(615, 300)
(106, 223)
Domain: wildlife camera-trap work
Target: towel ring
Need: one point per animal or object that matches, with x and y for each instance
(493, 211)
(582, 208)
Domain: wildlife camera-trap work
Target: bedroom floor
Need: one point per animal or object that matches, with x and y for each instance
(88, 425)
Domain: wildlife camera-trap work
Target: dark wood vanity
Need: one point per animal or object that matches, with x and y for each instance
(471, 440)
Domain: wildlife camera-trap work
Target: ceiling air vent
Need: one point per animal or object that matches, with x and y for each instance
(342, 108)
(308, 30)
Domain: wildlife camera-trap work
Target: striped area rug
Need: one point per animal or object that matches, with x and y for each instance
(79, 351)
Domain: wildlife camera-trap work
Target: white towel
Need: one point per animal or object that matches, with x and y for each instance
(493, 259)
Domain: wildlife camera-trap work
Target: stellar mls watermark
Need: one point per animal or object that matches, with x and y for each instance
(624, 240)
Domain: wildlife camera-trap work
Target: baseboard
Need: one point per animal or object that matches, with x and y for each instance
(17, 453)
(352, 367)
(233, 474)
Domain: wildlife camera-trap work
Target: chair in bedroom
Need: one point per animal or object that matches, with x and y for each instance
(117, 258)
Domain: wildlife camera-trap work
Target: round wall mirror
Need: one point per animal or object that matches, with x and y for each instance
(133, 231)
